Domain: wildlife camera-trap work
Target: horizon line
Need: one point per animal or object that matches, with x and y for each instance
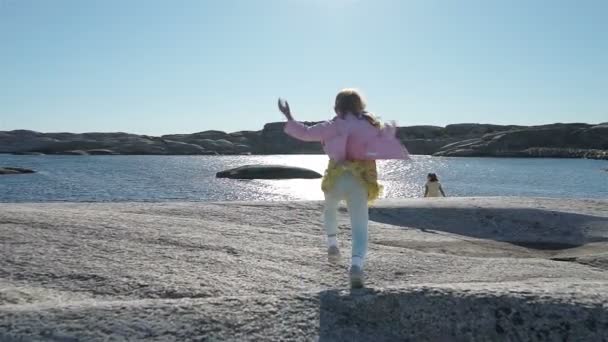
(276, 122)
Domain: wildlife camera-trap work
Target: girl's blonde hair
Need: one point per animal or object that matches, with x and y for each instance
(350, 101)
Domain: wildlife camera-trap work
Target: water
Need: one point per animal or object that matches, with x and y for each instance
(192, 178)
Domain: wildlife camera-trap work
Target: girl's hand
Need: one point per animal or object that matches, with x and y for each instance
(284, 108)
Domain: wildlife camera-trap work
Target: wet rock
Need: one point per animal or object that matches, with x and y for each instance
(14, 170)
(28, 153)
(268, 172)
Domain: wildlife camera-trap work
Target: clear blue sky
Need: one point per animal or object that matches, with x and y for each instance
(156, 67)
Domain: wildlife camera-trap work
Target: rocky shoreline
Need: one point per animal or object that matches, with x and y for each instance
(455, 269)
(459, 140)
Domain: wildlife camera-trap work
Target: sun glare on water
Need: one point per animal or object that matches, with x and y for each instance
(392, 176)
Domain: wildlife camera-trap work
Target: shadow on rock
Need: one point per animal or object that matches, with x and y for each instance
(530, 228)
(426, 314)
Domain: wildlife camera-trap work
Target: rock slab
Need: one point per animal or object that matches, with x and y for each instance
(268, 172)
(14, 170)
(456, 269)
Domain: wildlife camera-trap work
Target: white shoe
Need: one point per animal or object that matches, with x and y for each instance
(333, 254)
(356, 277)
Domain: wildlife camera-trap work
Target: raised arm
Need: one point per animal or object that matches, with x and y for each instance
(318, 132)
(298, 130)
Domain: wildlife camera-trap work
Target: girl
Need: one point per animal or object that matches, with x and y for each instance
(433, 187)
(353, 140)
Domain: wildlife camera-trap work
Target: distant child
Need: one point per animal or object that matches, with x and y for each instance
(354, 139)
(433, 187)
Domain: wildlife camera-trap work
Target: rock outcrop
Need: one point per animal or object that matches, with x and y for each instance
(558, 140)
(456, 269)
(101, 152)
(220, 142)
(275, 141)
(14, 170)
(22, 142)
(268, 172)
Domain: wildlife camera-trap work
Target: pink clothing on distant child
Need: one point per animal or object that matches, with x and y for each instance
(351, 138)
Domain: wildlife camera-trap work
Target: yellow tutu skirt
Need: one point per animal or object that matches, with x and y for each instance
(365, 171)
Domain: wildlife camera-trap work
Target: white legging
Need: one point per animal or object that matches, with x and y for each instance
(347, 187)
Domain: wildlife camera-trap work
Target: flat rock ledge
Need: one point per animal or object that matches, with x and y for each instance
(458, 312)
(14, 170)
(455, 269)
(268, 172)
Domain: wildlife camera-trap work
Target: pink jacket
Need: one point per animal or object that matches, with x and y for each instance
(351, 138)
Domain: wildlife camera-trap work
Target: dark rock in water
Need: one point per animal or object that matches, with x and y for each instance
(268, 172)
(28, 153)
(14, 170)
